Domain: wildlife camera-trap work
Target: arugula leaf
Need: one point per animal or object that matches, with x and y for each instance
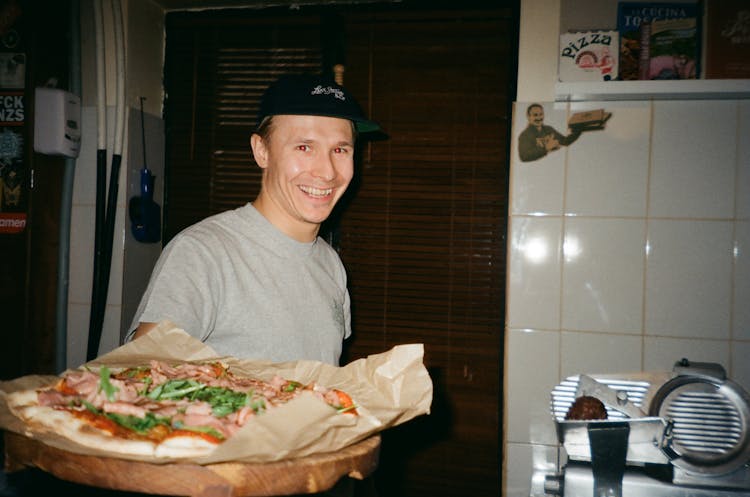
(104, 384)
(88, 405)
(223, 401)
(139, 425)
(291, 386)
(147, 383)
(200, 429)
(178, 389)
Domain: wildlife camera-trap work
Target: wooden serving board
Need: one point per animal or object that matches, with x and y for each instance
(311, 474)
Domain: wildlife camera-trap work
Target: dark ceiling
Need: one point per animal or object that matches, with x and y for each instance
(169, 5)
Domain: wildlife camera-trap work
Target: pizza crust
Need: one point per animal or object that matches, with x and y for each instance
(47, 419)
(178, 447)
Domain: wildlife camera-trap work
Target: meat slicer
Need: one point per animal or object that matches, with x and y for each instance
(667, 434)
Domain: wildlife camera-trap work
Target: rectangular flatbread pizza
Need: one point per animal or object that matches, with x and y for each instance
(181, 410)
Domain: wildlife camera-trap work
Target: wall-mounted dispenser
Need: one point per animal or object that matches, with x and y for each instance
(57, 122)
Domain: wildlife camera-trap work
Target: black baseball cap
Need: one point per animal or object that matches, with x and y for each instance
(311, 95)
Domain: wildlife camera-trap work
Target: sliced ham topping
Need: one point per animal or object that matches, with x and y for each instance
(199, 409)
(205, 421)
(240, 417)
(53, 398)
(124, 408)
(84, 382)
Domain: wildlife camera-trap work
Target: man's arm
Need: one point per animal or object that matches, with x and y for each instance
(567, 140)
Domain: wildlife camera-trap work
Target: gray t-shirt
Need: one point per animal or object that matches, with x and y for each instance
(246, 289)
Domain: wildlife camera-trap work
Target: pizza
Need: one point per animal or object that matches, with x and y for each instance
(160, 410)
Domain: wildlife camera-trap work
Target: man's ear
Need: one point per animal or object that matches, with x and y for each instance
(260, 151)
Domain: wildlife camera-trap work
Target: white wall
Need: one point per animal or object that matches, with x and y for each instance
(538, 39)
(627, 250)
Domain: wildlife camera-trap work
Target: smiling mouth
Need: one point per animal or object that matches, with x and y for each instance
(316, 192)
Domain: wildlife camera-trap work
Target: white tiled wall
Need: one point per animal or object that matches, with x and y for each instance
(131, 261)
(628, 250)
(83, 217)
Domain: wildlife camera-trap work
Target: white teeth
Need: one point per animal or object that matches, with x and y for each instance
(316, 192)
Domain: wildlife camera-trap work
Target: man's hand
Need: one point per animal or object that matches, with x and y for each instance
(143, 328)
(551, 143)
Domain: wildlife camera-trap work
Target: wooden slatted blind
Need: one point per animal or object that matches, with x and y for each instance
(424, 237)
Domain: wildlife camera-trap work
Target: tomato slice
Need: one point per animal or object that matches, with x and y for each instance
(63, 387)
(346, 404)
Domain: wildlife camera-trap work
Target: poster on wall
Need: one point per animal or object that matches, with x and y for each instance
(13, 170)
(589, 56)
(727, 39)
(539, 139)
(659, 40)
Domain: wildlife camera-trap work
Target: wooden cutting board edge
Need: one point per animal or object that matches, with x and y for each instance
(311, 474)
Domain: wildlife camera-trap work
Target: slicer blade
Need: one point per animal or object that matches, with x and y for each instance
(616, 399)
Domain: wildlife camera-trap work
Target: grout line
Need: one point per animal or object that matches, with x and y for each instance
(732, 278)
(646, 248)
(561, 254)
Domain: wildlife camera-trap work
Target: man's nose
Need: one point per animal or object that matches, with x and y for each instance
(325, 168)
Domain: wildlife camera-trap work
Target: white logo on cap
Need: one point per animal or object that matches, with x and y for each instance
(328, 90)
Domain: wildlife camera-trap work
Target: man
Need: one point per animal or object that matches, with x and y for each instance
(257, 282)
(538, 139)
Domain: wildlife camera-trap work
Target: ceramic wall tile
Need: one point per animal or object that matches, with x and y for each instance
(82, 253)
(77, 333)
(599, 353)
(740, 369)
(693, 159)
(603, 262)
(110, 338)
(743, 162)
(114, 295)
(607, 172)
(537, 184)
(688, 278)
(84, 185)
(741, 293)
(522, 461)
(661, 353)
(532, 371)
(534, 272)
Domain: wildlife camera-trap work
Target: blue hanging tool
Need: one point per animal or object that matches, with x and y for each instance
(145, 214)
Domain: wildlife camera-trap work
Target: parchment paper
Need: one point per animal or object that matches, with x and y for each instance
(388, 388)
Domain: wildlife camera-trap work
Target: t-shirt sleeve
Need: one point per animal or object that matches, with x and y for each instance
(184, 288)
(347, 314)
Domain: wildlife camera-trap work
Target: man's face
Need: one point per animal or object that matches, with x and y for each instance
(536, 116)
(308, 162)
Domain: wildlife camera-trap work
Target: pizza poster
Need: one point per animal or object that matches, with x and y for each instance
(13, 169)
(588, 56)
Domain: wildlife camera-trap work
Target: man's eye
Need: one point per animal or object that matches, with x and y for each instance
(303, 148)
(341, 150)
